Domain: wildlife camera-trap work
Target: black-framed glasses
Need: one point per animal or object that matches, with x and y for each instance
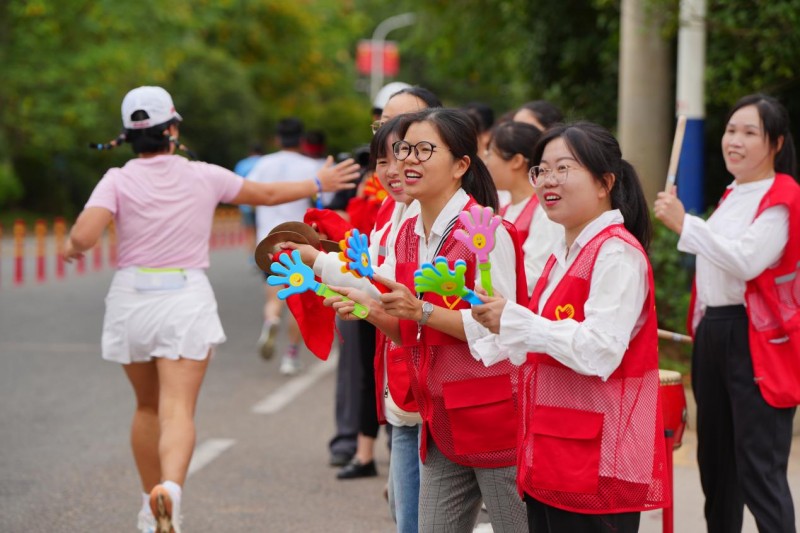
(538, 175)
(423, 150)
(375, 126)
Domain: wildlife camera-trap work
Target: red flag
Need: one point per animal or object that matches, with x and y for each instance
(316, 322)
(328, 222)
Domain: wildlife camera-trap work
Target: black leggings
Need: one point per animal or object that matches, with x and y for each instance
(543, 518)
(362, 341)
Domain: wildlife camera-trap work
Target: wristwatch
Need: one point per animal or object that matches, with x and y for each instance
(427, 309)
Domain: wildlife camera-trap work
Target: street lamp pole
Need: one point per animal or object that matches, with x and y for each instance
(378, 38)
(691, 101)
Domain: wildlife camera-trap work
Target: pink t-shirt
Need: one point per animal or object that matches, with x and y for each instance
(163, 207)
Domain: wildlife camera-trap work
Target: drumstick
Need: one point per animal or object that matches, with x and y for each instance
(677, 143)
(672, 336)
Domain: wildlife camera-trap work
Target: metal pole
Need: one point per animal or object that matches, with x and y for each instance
(378, 38)
(691, 101)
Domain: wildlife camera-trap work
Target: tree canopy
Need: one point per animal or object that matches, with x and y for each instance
(235, 66)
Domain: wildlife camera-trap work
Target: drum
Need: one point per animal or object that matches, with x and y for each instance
(673, 404)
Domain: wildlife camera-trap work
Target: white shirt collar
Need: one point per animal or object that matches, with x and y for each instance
(752, 186)
(450, 211)
(607, 218)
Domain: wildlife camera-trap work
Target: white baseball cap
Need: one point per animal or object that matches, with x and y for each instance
(386, 92)
(154, 101)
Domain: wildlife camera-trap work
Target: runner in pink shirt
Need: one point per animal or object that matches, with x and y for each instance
(161, 321)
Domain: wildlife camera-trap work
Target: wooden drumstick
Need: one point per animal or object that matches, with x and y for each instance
(672, 336)
(677, 144)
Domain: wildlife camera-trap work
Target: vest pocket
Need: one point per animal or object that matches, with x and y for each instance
(399, 380)
(566, 449)
(481, 413)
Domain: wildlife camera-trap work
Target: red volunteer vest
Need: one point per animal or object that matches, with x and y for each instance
(523, 221)
(469, 409)
(586, 445)
(773, 307)
(389, 355)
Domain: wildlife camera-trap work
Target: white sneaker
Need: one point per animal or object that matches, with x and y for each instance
(166, 510)
(289, 365)
(146, 522)
(266, 342)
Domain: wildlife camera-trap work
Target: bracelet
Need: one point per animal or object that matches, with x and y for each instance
(319, 192)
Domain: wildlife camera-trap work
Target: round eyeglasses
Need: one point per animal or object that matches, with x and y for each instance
(423, 150)
(538, 175)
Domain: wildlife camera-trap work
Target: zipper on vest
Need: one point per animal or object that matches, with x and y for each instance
(386, 391)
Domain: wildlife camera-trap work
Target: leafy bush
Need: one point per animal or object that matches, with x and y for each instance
(673, 272)
(10, 187)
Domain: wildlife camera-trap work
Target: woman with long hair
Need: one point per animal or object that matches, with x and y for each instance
(591, 451)
(508, 158)
(468, 439)
(745, 369)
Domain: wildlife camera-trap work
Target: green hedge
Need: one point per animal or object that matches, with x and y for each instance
(673, 272)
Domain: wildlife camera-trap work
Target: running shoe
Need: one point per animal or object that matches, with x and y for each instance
(146, 522)
(290, 365)
(266, 342)
(165, 510)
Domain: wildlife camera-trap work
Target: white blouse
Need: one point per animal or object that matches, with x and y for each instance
(731, 247)
(613, 311)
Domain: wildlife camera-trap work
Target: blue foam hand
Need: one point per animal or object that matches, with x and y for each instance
(289, 270)
(357, 254)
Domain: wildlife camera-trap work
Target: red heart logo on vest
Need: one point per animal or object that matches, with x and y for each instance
(450, 305)
(565, 311)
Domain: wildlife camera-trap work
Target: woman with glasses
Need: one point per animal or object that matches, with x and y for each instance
(390, 384)
(591, 451)
(508, 160)
(744, 311)
(468, 440)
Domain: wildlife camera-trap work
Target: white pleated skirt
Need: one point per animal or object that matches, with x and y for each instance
(170, 323)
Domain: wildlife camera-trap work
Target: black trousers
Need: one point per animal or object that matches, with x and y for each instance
(543, 518)
(743, 442)
(368, 408)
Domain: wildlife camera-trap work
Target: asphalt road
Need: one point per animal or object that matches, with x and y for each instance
(261, 459)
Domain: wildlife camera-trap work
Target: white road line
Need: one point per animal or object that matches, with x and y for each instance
(291, 390)
(207, 451)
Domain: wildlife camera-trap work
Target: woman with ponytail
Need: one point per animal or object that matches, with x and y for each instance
(161, 320)
(508, 158)
(744, 312)
(468, 436)
(591, 452)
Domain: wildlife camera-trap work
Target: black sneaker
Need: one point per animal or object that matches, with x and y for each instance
(340, 459)
(356, 470)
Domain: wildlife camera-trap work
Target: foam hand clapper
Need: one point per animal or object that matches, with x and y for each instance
(289, 270)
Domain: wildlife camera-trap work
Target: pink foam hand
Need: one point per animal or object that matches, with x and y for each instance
(480, 225)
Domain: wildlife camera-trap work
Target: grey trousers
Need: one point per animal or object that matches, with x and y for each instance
(450, 496)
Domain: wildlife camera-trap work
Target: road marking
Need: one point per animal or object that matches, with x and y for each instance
(207, 451)
(294, 388)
